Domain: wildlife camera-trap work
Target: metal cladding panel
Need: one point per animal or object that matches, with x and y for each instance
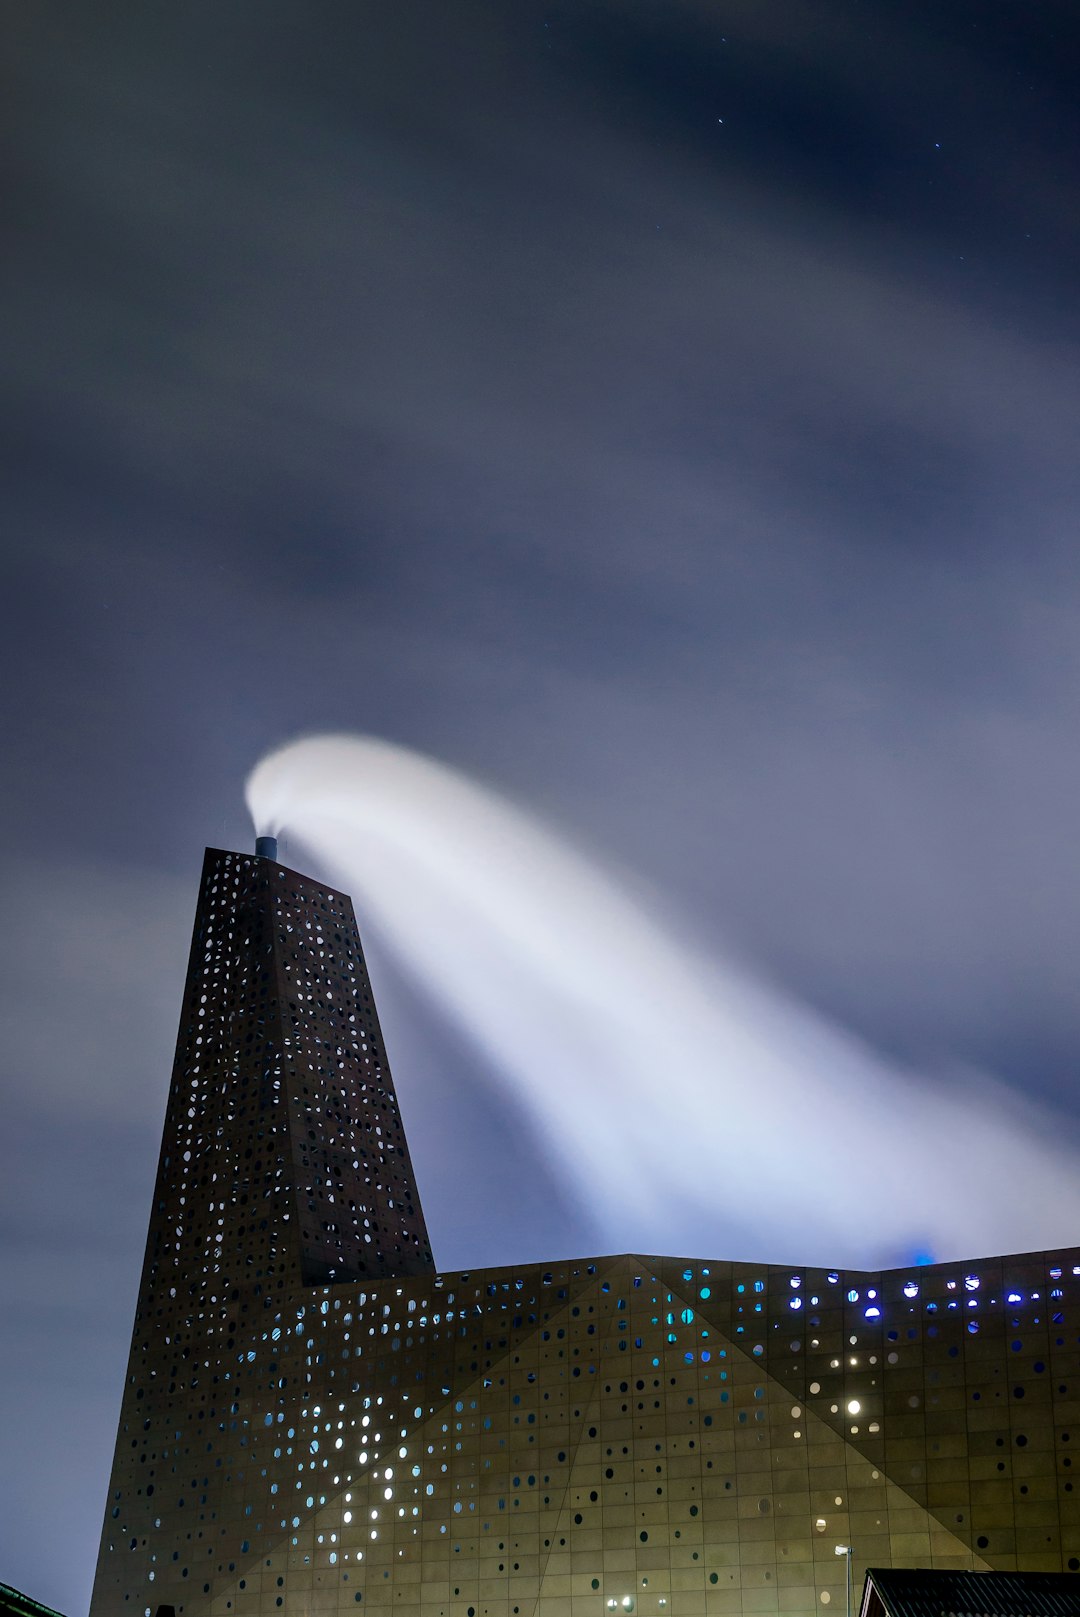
(357, 1204)
(620, 1434)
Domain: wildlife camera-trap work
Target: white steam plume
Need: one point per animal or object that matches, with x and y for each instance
(682, 1095)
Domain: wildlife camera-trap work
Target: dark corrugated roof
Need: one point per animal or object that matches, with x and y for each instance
(907, 1592)
(13, 1603)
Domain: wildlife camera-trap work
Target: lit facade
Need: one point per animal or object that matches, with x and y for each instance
(315, 1421)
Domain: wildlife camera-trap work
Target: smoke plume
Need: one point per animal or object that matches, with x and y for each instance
(683, 1095)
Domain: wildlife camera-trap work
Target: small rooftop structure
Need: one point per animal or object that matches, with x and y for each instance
(911, 1592)
(13, 1603)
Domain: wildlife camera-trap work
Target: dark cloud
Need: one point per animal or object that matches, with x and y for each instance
(453, 373)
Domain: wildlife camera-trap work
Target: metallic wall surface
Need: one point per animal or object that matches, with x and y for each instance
(314, 1421)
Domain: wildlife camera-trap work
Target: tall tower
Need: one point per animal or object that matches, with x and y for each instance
(283, 1166)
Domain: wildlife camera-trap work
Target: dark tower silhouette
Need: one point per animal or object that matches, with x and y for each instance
(284, 1164)
(286, 1161)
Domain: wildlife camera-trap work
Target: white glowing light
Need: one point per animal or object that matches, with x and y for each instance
(518, 937)
(853, 1406)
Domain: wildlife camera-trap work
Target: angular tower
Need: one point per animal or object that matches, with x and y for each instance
(314, 1421)
(283, 1165)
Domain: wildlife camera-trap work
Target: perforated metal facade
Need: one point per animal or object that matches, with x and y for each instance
(315, 1421)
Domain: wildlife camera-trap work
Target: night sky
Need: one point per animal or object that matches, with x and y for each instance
(663, 411)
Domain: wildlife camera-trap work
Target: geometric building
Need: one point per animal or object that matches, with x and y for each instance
(316, 1421)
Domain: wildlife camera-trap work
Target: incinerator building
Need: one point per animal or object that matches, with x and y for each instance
(316, 1421)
